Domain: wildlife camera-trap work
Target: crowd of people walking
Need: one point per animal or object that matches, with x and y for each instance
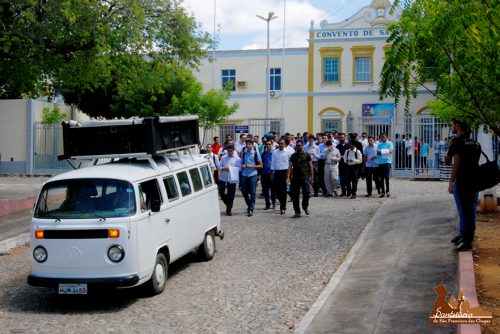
(299, 166)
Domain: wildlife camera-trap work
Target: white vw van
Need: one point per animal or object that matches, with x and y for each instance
(121, 224)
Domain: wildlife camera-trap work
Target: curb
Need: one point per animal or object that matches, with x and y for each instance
(337, 276)
(9, 206)
(467, 284)
(7, 245)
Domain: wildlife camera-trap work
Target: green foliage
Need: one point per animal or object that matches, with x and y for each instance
(452, 48)
(211, 107)
(53, 116)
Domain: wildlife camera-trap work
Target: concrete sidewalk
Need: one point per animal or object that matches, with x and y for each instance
(386, 285)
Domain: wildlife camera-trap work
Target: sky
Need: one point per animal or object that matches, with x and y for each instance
(239, 28)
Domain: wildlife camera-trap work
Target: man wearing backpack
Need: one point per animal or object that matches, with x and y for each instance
(250, 162)
(465, 153)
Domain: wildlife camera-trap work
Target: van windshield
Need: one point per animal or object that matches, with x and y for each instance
(86, 198)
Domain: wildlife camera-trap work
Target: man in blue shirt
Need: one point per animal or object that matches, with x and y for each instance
(265, 178)
(384, 160)
(371, 166)
(250, 162)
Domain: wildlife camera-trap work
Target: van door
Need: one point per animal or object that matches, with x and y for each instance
(153, 229)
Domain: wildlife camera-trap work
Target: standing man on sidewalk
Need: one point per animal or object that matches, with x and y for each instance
(465, 153)
(229, 166)
(301, 173)
(331, 158)
(279, 169)
(250, 162)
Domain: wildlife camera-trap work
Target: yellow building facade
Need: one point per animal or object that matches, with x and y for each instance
(333, 84)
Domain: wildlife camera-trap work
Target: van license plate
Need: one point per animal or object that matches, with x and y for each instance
(72, 289)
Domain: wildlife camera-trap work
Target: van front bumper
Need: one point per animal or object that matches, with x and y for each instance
(50, 282)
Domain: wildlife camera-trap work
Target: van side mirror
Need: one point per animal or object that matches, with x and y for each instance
(155, 205)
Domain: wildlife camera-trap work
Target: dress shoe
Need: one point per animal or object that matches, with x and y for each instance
(368, 195)
(458, 239)
(228, 213)
(268, 206)
(463, 247)
(353, 196)
(342, 195)
(327, 195)
(382, 195)
(282, 212)
(297, 215)
(315, 195)
(387, 194)
(250, 213)
(306, 211)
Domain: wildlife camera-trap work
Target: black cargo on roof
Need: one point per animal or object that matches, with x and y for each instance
(150, 135)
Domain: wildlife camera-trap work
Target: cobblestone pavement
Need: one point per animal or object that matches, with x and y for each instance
(267, 273)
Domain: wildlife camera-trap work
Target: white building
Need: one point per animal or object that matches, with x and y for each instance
(332, 84)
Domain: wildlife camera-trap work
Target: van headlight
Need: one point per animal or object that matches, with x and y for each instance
(116, 253)
(40, 254)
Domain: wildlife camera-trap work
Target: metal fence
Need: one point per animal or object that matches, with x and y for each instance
(233, 127)
(421, 143)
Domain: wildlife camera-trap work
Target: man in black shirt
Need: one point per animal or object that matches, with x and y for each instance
(465, 153)
(342, 147)
(301, 174)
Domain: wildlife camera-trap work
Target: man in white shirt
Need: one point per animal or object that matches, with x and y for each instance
(240, 145)
(409, 150)
(279, 169)
(229, 167)
(364, 140)
(313, 150)
(213, 159)
(353, 158)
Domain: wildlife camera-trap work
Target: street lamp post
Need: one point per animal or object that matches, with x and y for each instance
(270, 16)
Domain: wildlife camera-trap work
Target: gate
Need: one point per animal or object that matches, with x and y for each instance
(420, 149)
(47, 146)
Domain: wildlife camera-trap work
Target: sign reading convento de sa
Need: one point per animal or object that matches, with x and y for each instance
(241, 129)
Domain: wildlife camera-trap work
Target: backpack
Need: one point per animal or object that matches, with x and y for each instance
(486, 176)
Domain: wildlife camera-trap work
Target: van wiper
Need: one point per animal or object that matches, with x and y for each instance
(100, 217)
(46, 214)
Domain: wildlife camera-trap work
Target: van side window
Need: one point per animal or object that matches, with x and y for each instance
(148, 191)
(196, 179)
(183, 179)
(171, 188)
(206, 175)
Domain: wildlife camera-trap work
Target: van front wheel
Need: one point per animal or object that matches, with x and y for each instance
(206, 251)
(159, 277)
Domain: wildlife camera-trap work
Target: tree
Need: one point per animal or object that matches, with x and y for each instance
(91, 46)
(211, 107)
(454, 44)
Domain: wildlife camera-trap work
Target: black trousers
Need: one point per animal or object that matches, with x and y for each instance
(321, 175)
(279, 186)
(352, 179)
(296, 186)
(316, 176)
(371, 174)
(384, 170)
(343, 177)
(227, 197)
(267, 187)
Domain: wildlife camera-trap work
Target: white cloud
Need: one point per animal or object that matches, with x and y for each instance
(237, 19)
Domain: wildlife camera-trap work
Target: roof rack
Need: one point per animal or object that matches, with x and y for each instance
(129, 138)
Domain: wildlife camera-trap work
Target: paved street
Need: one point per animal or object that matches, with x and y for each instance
(267, 273)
